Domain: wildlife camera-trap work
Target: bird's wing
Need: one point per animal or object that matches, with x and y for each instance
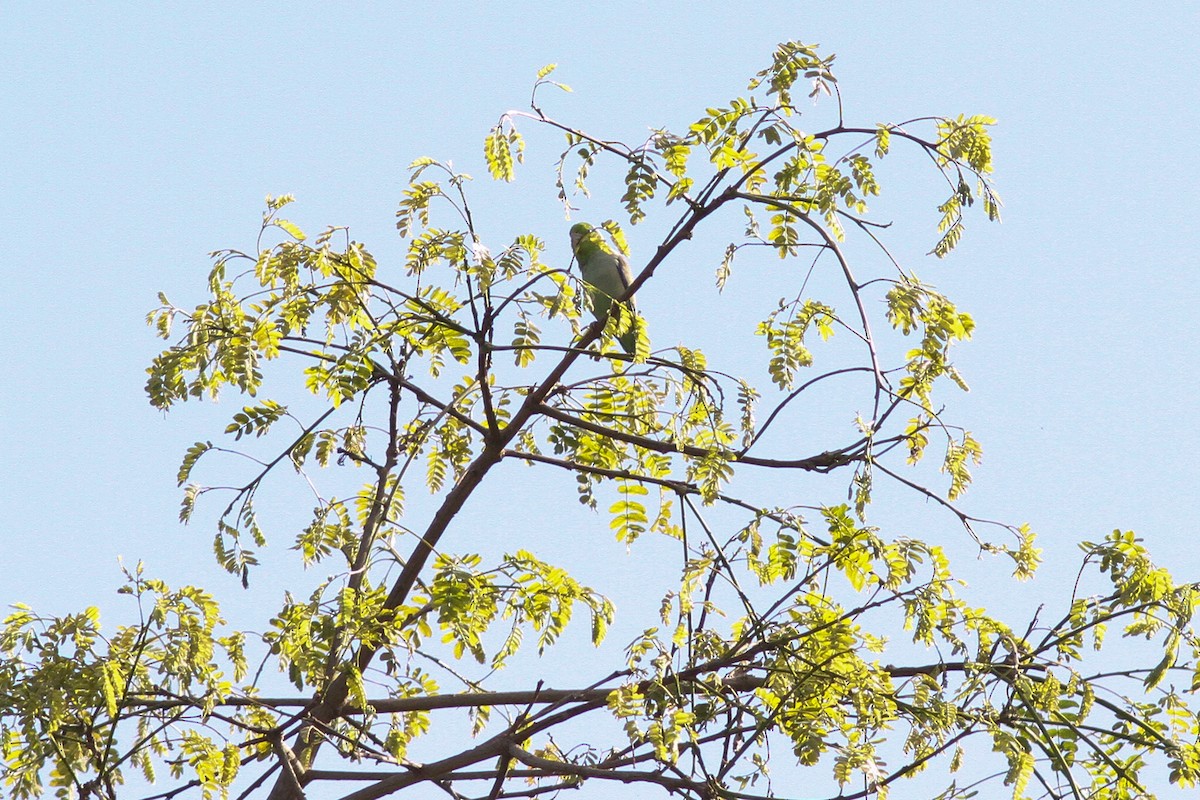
(626, 276)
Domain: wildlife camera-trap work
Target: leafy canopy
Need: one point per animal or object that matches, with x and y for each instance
(796, 637)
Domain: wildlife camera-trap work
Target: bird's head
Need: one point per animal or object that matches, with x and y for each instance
(579, 232)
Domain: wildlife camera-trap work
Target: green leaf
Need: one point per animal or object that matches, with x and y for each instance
(883, 140)
(292, 229)
(503, 148)
(190, 458)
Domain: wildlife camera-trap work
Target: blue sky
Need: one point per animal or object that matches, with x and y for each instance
(135, 139)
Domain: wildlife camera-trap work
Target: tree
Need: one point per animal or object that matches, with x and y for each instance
(791, 624)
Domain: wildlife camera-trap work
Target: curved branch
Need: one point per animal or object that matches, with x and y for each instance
(824, 462)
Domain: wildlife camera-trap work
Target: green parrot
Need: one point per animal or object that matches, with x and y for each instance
(607, 276)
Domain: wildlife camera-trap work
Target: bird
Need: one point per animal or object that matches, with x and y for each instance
(607, 277)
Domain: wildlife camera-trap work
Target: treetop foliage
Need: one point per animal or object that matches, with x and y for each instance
(796, 638)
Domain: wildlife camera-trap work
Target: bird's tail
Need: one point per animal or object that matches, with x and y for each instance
(628, 338)
(628, 341)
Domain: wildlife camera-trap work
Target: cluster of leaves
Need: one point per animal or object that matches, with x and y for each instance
(776, 629)
(67, 692)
